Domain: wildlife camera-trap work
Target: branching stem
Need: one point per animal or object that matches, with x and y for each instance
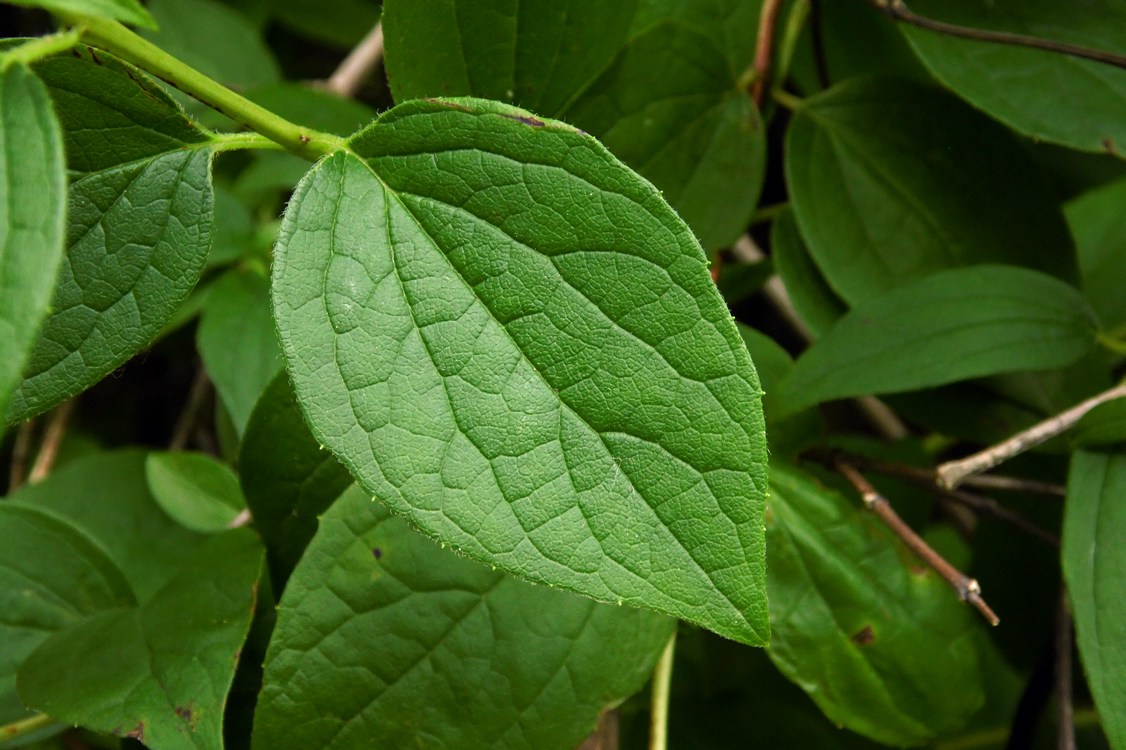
(967, 588)
(898, 10)
(953, 473)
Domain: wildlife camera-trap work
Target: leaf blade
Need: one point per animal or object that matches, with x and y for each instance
(424, 296)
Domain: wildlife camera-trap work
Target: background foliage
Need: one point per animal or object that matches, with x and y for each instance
(424, 416)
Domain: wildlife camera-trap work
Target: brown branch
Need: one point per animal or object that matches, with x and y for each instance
(898, 10)
(926, 479)
(188, 417)
(764, 49)
(605, 734)
(1015, 484)
(52, 438)
(1065, 713)
(359, 64)
(21, 451)
(968, 589)
(953, 473)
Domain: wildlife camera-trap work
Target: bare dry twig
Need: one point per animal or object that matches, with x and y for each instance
(52, 438)
(359, 64)
(764, 49)
(1065, 716)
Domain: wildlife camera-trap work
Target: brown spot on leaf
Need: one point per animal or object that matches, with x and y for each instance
(137, 733)
(1108, 144)
(188, 714)
(451, 105)
(377, 553)
(529, 120)
(864, 636)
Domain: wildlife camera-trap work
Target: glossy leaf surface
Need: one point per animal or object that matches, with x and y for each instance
(1094, 566)
(32, 223)
(195, 489)
(538, 307)
(160, 671)
(952, 326)
(424, 646)
(881, 203)
(874, 637)
(288, 478)
(1009, 82)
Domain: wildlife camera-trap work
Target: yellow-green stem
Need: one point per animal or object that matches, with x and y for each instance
(24, 726)
(115, 38)
(659, 702)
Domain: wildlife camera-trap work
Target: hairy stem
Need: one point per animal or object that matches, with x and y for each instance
(118, 40)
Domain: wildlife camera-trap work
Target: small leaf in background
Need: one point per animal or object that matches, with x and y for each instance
(160, 671)
(789, 434)
(33, 222)
(1103, 426)
(738, 281)
(288, 478)
(877, 640)
(1094, 566)
(818, 305)
(126, 11)
(195, 489)
(881, 201)
(341, 23)
(112, 113)
(658, 83)
(1098, 224)
(51, 575)
(951, 326)
(538, 307)
(232, 233)
(215, 39)
(1087, 108)
(386, 640)
(238, 343)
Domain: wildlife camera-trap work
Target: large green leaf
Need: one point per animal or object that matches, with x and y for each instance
(882, 201)
(660, 82)
(127, 11)
(237, 341)
(1098, 224)
(954, 325)
(873, 636)
(33, 194)
(511, 339)
(1094, 566)
(385, 640)
(159, 671)
(1087, 106)
(51, 575)
(287, 477)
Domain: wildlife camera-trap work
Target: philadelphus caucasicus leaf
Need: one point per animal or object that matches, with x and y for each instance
(511, 340)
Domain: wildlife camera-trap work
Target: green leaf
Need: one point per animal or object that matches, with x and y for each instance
(789, 434)
(51, 575)
(160, 671)
(818, 305)
(33, 193)
(195, 489)
(237, 341)
(128, 519)
(112, 113)
(881, 202)
(873, 636)
(1094, 566)
(126, 11)
(954, 325)
(232, 231)
(1099, 227)
(313, 108)
(341, 23)
(216, 40)
(287, 477)
(138, 236)
(539, 307)
(660, 85)
(739, 281)
(1009, 82)
(1105, 425)
(385, 640)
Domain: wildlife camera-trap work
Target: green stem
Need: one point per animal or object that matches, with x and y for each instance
(44, 46)
(659, 705)
(240, 141)
(765, 214)
(787, 100)
(795, 22)
(24, 726)
(115, 38)
(1111, 343)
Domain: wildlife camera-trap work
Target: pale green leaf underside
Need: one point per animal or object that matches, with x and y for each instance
(373, 636)
(195, 489)
(872, 635)
(954, 325)
(1094, 566)
(126, 11)
(32, 220)
(512, 340)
